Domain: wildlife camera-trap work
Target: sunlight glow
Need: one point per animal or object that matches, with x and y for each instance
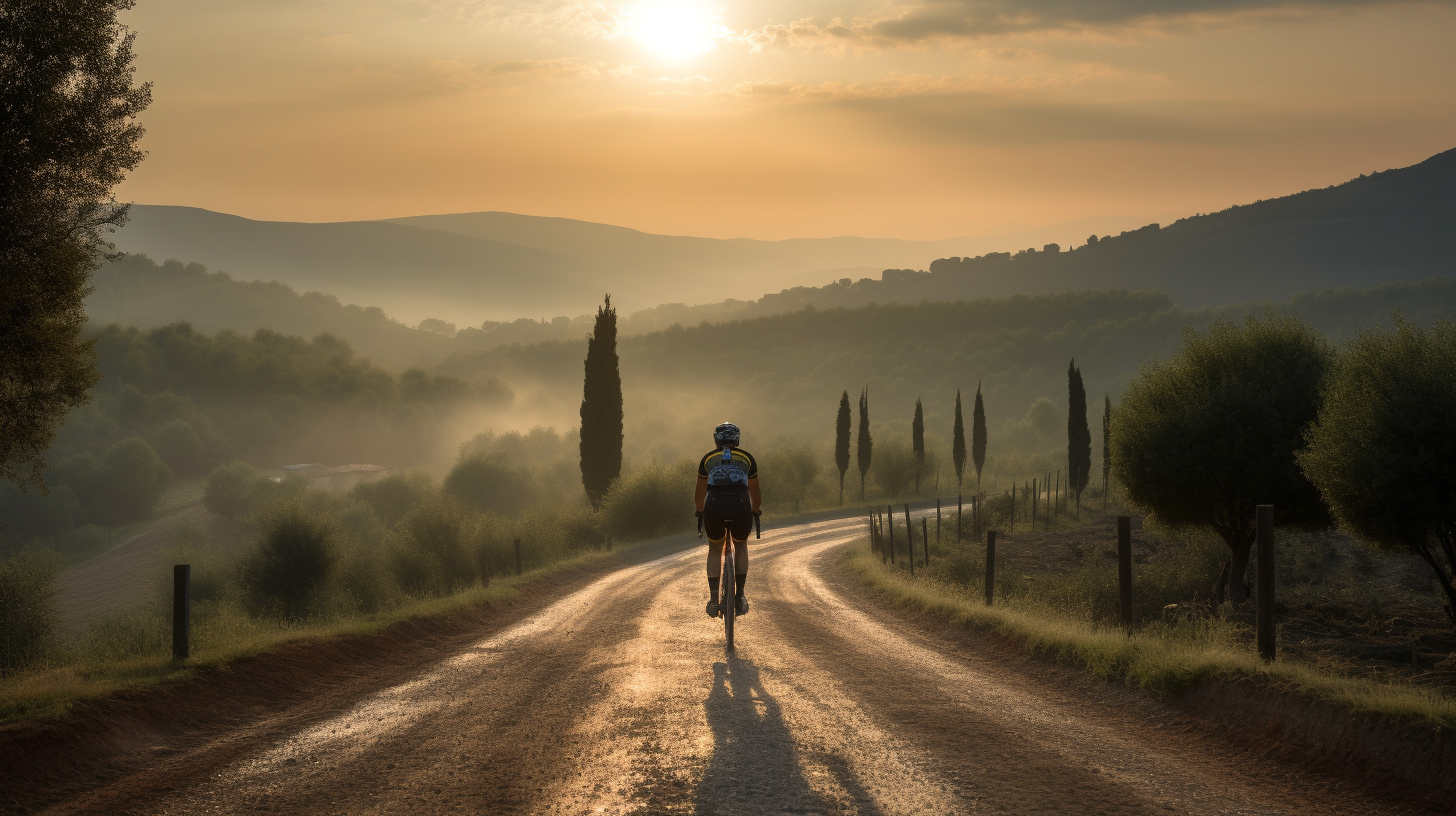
(674, 31)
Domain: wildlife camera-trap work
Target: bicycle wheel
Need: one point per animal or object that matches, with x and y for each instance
(729, 584)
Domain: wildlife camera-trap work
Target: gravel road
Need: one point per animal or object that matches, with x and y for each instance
(620, 698)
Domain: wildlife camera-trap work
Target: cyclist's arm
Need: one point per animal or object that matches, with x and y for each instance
(701, 494)
(754, 496)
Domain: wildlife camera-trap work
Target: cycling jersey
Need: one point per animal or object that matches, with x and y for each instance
(731, 473)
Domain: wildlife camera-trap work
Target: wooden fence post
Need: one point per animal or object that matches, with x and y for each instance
(937, 522)
(1124, 570)
(181, 608)
(484, 568)
(959, 504)
(518, 556)
(890, 517)
(1264, 590)
(925, 538)
(990, 565)
(909, 540)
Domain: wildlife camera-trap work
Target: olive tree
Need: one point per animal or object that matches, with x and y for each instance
(68, 135)
(1383, 451)
(1204, 437)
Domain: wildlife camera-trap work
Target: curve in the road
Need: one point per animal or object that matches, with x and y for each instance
(620, 698)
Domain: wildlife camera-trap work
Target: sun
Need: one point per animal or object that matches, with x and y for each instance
(674, 31)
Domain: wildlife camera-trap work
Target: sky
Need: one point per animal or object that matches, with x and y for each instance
(920, 119)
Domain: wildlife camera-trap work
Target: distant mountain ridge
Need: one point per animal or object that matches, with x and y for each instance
(1392, 226)
(469, 267)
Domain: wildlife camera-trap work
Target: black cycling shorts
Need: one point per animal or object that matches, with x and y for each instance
(730, 509)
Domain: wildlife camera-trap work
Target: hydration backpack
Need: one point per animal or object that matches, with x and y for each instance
(726, 471)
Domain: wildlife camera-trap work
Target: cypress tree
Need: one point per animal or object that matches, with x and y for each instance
(978, 437)
(601, 408)
(865, 447)
(1079, 437)
(1106, 446)
(841, 442)
(917, 442)
(958, 442)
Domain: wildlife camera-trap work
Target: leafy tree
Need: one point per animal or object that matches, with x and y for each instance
(1079, 437)
(291, 561)
(958, 442)
(978, 437)
(396, 494)
(491, 483)
(1383, 451)
(790, 471)
(229, 491)
(68, 135)
(841, 442)
(180, 447)
(896, 468)
(121, 487)
(601, 409)
(1204, 437)
(864, 449)
(28, 618)
(917, 442)
(434, 554)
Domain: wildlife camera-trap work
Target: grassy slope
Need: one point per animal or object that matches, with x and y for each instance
(1146, 659)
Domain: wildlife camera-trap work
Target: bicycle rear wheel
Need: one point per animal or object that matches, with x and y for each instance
(729, 584)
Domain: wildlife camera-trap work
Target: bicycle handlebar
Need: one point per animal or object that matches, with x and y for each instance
(756, 532)
(699, 514)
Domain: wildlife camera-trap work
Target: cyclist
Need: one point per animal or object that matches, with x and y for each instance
(728, 499)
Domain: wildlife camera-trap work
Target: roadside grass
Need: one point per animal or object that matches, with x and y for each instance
(1170, 656)
(132, 648)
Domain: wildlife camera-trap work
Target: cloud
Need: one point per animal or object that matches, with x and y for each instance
(915, 85)
(920, 22)
(563, 69)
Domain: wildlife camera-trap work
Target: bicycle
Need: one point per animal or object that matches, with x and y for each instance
(727, 578)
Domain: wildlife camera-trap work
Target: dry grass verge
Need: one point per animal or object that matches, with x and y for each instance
(1172, 658)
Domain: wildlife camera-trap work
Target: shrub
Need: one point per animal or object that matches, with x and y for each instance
(490, 484)
(434, 551)
(229, 489)
(650, 501)
(27, 608)
(180, 447)
(395, 495)
(292, 559)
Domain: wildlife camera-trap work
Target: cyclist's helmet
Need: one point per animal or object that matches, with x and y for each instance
(726, 434)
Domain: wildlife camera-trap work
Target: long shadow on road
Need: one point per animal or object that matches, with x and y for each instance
(756, 767)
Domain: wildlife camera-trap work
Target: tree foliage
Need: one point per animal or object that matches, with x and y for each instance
(286, 570)
(68, 135)
(1079, 436)
(1383, 451)
(896, 468)
(841, 441)
(1106, 441)
(789, 472)
(917, 442)
(958, 442)
(978, 436)
(1204, 437)
(601, 408)
(865, 446)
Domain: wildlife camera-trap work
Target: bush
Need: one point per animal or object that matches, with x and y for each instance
(27, 608)
(491, 484)
(180, 447)
(395, 495)
(434, 549)
(238, 489)
(229, 489)
(650, 501)
(287, 568)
